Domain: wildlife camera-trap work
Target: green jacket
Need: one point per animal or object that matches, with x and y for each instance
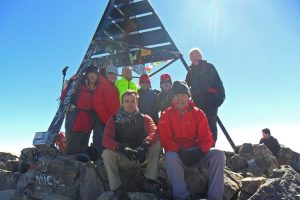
(123, 85)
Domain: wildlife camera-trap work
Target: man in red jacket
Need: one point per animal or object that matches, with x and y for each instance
(106, 104)
(130, 138)
(186, 137)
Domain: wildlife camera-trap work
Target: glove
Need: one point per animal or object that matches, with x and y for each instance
(142, 151)
(215, 98)
(127, 151)
(196, 155)
(190, 157)
(185, 157)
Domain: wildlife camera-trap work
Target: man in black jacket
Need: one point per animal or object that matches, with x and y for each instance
(206, 87)
(147, 98)
(270, 141)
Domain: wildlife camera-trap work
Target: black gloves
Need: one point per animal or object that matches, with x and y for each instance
(142, 151)
(185, 157)
(190, 157)
(127, 151)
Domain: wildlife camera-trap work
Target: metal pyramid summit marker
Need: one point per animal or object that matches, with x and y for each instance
(129, 33)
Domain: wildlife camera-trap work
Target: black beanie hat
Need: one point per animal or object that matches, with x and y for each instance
(180, 87)
(91, 68)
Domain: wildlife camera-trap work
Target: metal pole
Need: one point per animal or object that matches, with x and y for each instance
(227, 135)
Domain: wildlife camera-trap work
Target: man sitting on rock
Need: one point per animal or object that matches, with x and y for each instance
(186, 137)
(130, 138)
(270, 141)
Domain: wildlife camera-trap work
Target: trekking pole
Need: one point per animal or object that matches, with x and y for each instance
(226, 135)
(64, 72)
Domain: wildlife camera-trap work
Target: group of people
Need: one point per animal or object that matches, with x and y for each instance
(129, 132)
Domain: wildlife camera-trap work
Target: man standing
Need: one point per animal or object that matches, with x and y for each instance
(126, 83)
(270, 141)
(147, 98)
(187, 139)
(130, 138)
(164, 98)
(206, 87)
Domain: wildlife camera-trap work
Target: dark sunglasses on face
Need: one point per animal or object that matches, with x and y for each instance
(165, 82)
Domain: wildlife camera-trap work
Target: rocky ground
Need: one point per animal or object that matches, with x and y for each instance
(252, 173)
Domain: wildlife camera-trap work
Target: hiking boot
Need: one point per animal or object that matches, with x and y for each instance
(121, 193)
(151, 186)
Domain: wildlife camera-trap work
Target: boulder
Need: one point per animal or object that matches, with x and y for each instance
(7, 156)
(288, 157)
(232, 183)
(90, 184)
(7, 194)
(251, 184)
(8, 180)
(284, 183)
(256, 159)
(55, 176)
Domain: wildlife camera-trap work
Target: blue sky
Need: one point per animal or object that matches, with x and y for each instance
(254, 44)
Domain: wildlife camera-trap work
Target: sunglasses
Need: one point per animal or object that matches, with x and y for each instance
(165, 82)
(145, 81)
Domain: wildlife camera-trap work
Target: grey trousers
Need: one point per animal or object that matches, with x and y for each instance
(114, 160)
(216, 164)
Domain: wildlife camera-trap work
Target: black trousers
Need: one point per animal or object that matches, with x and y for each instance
(211, 113)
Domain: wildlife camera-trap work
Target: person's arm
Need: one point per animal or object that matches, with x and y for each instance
(277, 146)
(205, 137)
(217, 89)
(150, 129)
(109, 135)
(165, 132)
(99, 104)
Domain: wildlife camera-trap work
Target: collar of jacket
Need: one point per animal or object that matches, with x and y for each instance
(200, 63)
(124, 79)
(189, 107)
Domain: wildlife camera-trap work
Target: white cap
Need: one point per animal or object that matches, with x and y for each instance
(112, 69)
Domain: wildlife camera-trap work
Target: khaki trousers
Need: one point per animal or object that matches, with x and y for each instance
(114, 160)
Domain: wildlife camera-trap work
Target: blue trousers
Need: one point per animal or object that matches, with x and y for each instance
(216, 164)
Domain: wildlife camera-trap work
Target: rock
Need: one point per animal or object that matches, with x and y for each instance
(251, 184)
(30, 157)
(237, 163)
(107, 196)
(264, 158)
(232, 183)
(12, 165)
(56, 176)
(8, 180)
(7, 194)
(101, 172)
(143, 196)
(132, 195)
(288, 157)
(50, 196)
(284, 183)
(256, 159)
(7, 156)
(196, 179)
(90, 184)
